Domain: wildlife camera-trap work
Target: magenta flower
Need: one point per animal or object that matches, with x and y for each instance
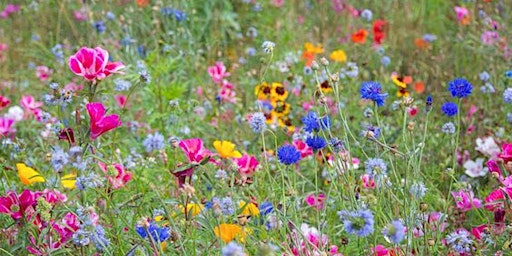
(6, 127)
(316, 201)
(43, 73)
(100, 123)
(4, 102)
(9, 9)
(461, 12)
(16, 205)
(120, 178)
(93, 64)
(303, 148)
(29, 103)
(218, 72)
(464, 200)
(196, 154)
(246, 165)
(490, 37)
(506, 153)
(495, 199)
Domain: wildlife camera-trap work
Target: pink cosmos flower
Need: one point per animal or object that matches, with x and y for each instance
(495, 199)
(227, 92)
(247, 165)
(93, 64)
(16, 205)
(29, 103)
(477, 232)
(316, 201)
(120, 178)
(66, 227)
(380, 250)
(368, 182)
(218, 72)
(99, 122)
(6, 128)
(43, 73)
(53, 196)
(196, 154)
(465, 200)
(506, 153)
(4, 102)
(490, 37)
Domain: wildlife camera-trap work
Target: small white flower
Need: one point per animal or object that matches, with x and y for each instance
(475, 169)
(487, 146)
(15, 113)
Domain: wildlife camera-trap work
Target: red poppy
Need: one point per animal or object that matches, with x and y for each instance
(359, 37)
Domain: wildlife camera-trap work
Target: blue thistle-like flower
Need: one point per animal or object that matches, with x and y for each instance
(448, 128)
(460, 88)
(312, 123)
(315, 142)
(394, 231)
(288, 154)
(359, 223)
(507, 96)
(373, 91)
(257, 122)
(154, 142)
(460, 240)
(450, 109)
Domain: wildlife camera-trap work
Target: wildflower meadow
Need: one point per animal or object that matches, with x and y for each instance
(256, 127)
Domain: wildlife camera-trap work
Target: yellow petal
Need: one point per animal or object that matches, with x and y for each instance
(217, 145)
(236, 154)
(28, 175)
(69, 181)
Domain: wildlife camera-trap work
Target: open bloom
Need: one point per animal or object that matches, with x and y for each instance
(16, 205)
(99, 122)
(93, 64)
(218, 72)
(28, 176)
(4, 102)
(506, 153)
(464, 200)
(117, 176)
(226, 149)
(196, 154)
(6, 126)
(475, 168)
(228, 232)
(246, 165)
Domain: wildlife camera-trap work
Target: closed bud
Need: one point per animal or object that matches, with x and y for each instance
(324, 61)
(314, 65)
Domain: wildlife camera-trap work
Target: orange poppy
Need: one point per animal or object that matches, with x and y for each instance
(142, 3)
(419, 87)
(308, 58)
(421, 43)
(359, 37)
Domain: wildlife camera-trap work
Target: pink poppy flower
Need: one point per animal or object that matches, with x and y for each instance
(99, 122)
(218, 72)
(16, 205)
(246, 165)
(93, 64)
(506, 153)
(464, 200)
(118, 179)
(4, 102)
(6, 128)
(43, 73)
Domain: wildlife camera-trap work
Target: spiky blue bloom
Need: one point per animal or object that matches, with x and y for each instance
(266, 208)
(232, 249)
(428, 103)
(312, 123)
(59, 159)
(288, 154)
(394, 231)
(257, 122)
(154, 142)
(418, 190)
(100, 26)
(507, 96)
(315, 142)
(460, 87)
(449, 109)
(359, 222)
(158, 234)
(448, 128)
(99, 239)
(373, 91)
(460, 240)
(508, 74)
(484, 76)
(367, 15)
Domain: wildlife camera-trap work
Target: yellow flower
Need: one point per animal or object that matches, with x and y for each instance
(69, 181)
(262, 91)
(278, 92)
(27, 175)
(249, 209)
(226, 149)
(311, 48)
(228, 232)
(280, 108)
(398, 81)
(402, 92)
(326, 87)
(193, 209)
(338, 56)
(286, 122)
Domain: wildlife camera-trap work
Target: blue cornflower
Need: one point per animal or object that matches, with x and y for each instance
(166, 11)
(91, 180)
(367, 15)
(487, 88)
(266, 208)
(448, 128)
(484, 76)
(141, 49)
(288, 154)
(507, 96)
(268, 46)
(81, 237)
(460, 240)
(226, 205)
(110, 16)
(252, 32)
(372, 91)
(315, 142)
(460, 87)
(180, 15)
(251, 51)
(312, 123)
(509, 117)
(122, 85)
(377, 169)
(429, 37)
(233, 249)
(394, 231)
(428, 103)
(100, 26)
(359, 222)
(336, 144)
(154, 142)
(257, 122)
(418, 190)
(508, 74)
(308, 70)
(371, 132)
(450, 109)
(158, 234)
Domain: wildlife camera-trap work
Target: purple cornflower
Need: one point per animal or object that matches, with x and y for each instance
(373, 91)
(315, 142)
